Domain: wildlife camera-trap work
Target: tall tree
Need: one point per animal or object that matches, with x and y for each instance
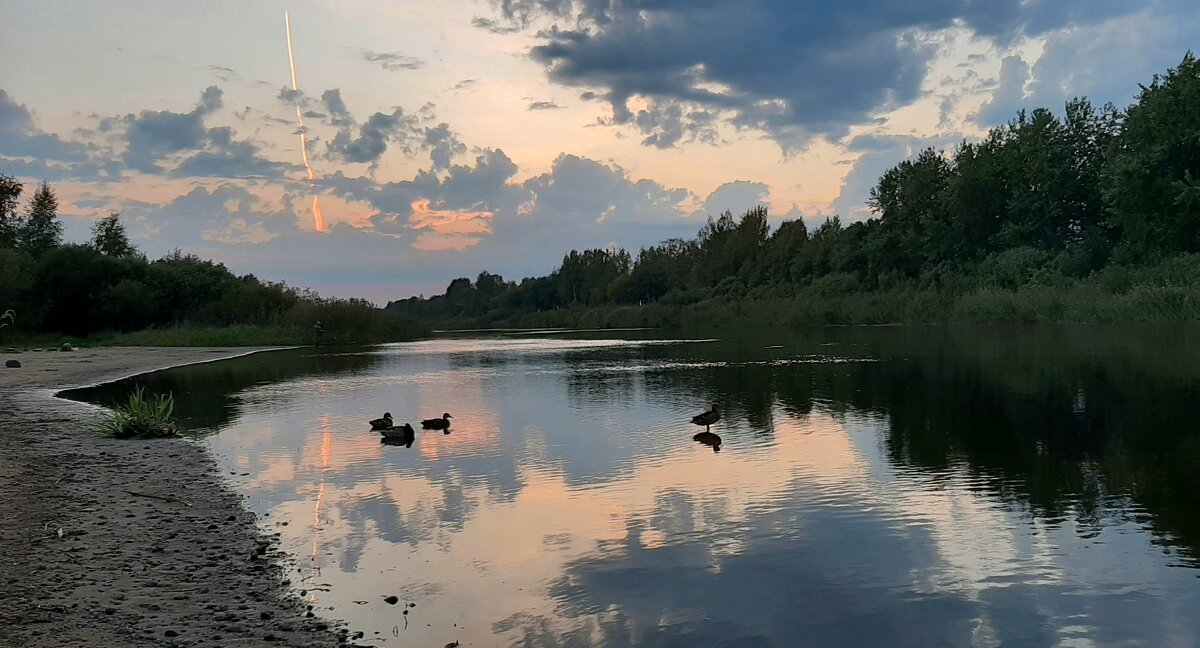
(42, 231)
(10, 220)
(1152, 183)
(109, 237)
(910, 200)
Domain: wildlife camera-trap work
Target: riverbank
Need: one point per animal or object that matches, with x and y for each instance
(128, 543)
(1086, 302)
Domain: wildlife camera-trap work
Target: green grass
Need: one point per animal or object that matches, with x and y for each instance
(1097, 299)
(243, 335)
(216, 336)
(142, 417)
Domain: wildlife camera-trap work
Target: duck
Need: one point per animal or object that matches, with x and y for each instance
(709, 439)
(437, 423)
(398, 435)
(707, 418)
(384, 423)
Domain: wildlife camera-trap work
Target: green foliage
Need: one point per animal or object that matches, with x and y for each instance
(142, 417)
(10, 221)
(1017, 226)
(1152, 180)
(107, 288)
(41, 231)
(109, 237)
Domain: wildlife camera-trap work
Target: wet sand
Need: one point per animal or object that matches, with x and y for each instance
(128, 543)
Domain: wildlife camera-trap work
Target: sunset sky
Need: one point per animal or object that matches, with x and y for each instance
(453, 136)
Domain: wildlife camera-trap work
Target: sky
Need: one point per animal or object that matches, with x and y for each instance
(450, 137)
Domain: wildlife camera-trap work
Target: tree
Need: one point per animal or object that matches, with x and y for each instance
(42, 230)
(584, 276)
(109, 238)
(910, 199)
(10, 220)
(727, 247)
(1152, 182)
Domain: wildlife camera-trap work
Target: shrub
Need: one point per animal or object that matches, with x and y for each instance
(141, 417)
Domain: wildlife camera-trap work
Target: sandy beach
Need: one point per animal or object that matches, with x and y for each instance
(128, 543)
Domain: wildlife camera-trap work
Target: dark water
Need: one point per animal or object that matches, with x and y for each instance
(875, 486)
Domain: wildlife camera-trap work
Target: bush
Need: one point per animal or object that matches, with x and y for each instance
(142, 417)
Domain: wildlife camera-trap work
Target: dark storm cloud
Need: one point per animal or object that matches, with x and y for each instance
(152, 135)
(339, 115)
(1009, 95)
(366, 142)
(588, 192)
(443, 145)
(225, 157)
(736, 197)
(20, 136)
(791, 68)
(373, 135)
(483, 186)
(393, 61)
(666, 124)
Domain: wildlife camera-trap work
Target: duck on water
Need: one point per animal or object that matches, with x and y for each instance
(384, 423)
(437, 423)
(398, 435)
(707, 419)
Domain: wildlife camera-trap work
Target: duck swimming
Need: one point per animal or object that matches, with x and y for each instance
(437, 423)
(384, 423)
(399, 435)
(707, 418)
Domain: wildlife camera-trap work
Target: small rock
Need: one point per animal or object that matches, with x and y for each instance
(391, 600)
(110, 611)
(12, 364)
(170, 633)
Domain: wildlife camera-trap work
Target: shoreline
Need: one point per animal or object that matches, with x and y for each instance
(111, 542)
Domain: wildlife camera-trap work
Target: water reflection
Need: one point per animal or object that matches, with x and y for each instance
(873, 486)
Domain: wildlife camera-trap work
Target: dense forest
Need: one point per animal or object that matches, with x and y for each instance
(107, 286)
(1093, 214)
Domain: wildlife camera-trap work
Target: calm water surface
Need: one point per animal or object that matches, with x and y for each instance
(875, 486)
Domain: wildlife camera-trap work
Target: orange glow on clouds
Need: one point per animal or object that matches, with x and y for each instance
(447, 229)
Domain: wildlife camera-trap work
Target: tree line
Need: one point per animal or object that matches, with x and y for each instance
(1042, 200)
(108, 285)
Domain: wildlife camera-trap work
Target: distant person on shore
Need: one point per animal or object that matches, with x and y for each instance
(319, 332)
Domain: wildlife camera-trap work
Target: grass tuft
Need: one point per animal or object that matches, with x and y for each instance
(142, 417)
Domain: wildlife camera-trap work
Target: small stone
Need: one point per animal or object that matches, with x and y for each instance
(109, 610)
(170, 633)
(12, 364)
(391, 600)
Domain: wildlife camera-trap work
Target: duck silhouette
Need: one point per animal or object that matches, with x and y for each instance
(384, 423)
(399, 435)
(707, 418)
(709, 439)
(437, 423)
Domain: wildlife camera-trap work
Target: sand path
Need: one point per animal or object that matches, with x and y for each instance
(83, 562)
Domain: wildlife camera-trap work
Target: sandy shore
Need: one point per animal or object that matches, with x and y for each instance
(127, 543)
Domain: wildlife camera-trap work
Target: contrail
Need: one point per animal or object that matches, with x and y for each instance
(318, 218)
